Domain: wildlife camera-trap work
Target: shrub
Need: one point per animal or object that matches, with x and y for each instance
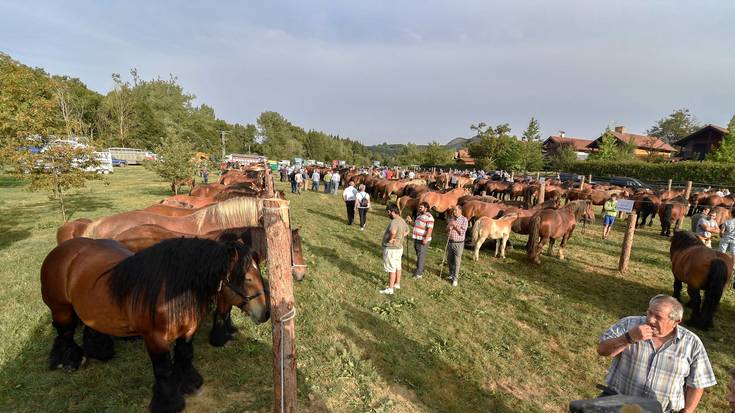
(695, 171)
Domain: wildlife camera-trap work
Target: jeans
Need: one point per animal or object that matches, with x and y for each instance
(327, 187)
(335, 186)
(293, 187)
(454, 258)
(350, 211)
(421, 250)
(362, 212)
(315, 186)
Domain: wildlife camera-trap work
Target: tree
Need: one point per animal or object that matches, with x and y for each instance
(679, 124)
(562, 156)
(437, 154)
(532, 132)
(725, 152)
(175, 160)
(57, 169)
(607, 149)
(531, 155)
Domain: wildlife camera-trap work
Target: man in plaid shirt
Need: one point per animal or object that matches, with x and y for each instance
(655, 357)
(456, 228)
(422, 228)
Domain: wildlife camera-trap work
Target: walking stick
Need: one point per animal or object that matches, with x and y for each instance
(444, 257)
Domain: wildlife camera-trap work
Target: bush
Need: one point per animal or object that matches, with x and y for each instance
(695, 171)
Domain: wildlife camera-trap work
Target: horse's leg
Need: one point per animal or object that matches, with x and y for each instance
(563, 244)
(695, 301)
(189, 378)
(231, 329)
(502, 247)
(497, 247)
(65, 352)
(677, 288)
(220, 334)
(478, 245)
(166, 394)
(551, 246)
(97, 345)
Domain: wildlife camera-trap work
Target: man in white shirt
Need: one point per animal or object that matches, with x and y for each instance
(335, 181)
(315, 181)
(411, 175)
(350, 196)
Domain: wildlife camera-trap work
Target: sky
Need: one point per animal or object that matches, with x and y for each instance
(402, 71)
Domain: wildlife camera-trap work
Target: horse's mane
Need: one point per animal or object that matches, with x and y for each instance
(679, 199)
(187, 271)
(232, 213)
(684, 239)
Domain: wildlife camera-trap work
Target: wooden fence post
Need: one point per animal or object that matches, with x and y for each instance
(283, 310)
(512, 175)
(688, 191)
(581, 184)
(669, 187)
(541, 193)
(627, 243)
(589, 179)
(538, 175)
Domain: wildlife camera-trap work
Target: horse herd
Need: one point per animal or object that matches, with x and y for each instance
(153, 273)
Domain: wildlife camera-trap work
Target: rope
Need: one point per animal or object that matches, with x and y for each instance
(286, 317)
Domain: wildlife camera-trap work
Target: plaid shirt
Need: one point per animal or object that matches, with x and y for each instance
(460, 227)
(640, 370)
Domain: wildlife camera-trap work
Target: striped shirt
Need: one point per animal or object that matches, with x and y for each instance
(456, 234)
(641, 370)
(422, 223)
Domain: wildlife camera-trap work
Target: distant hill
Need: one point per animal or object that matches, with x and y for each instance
(460, 142)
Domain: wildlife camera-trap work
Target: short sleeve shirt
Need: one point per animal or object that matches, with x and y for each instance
(728, 229)
(401, 229)
(706, 222)
(641, 370)
(349, 193)
(610, 207)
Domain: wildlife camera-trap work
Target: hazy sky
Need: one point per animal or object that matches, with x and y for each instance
(403, 71)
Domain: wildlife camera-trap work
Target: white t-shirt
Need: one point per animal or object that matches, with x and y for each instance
(359, 196)
(349, 193)
(335, 177)
(411, 175)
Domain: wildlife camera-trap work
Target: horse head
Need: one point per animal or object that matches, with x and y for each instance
(243, 286)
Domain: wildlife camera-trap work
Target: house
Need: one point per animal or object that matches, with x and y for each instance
(697, 145)
(462, 156)
(552, 143)
(645, 146)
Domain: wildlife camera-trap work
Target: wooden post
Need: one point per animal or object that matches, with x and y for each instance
(538, 175)
(483, 193)
(669, 187)
(627, 243)
(269, 190)
(542, 192)
(581, 184)
(512, 175)
(589, 178)
(278, 242)
(688, 191)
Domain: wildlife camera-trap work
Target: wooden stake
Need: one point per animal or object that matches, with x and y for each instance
(538, 175)
(542, 193)
(512, 174)
(669, 187)
(278, 247)
(589, 178)
(581, 184)
(627, 243)
(688, 191)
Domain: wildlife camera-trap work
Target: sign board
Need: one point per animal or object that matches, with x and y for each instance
(541, 180)
(334, 163)
(625, 205)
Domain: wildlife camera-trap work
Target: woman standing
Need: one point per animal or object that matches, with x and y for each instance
(363, 204)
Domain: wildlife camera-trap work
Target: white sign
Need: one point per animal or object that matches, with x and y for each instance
(541, 180)
(625, 205)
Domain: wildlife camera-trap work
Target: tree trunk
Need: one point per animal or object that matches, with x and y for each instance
(60, 196)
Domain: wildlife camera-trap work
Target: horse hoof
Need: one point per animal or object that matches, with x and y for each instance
(191, 382)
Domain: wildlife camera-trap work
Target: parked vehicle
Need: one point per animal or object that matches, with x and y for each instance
(105, 163)
(628, 182)
(565, 176)
(119, 162)
(132, 156)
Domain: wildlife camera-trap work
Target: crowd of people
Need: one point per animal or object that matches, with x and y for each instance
(704, 224)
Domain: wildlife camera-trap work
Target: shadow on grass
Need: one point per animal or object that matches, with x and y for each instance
(10, 181)
(163, 191)
(437, 384)
(11, 235)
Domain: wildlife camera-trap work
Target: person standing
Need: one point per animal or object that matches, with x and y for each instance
(350, 195)
(299, 180)
(393, 249)
(456, 229)
(205, 176)
(304, 178)
(727, 238)
(335, 182)
(609, 211)
(696, 217)
(706, 226)
(423, 226)
(327, 182)
(315, 180)
(654, 356)
(389, 174)
(292, 179)
(362, 200)
(411, 175)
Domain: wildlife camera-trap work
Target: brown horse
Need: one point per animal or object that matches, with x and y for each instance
(670, 212)
(160, 293)
(191, 201)
(522, 225)
(645, 205)
(208, 190)
(476, 209)
(701, 268)
(441, 202)
(170, 210)
(72, 229)
(549, 224)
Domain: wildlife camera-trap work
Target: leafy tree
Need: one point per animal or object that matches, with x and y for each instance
(562, 156)
(175, 160)
(437, 154)
(531, 155)
(57, 169)
(677, 125)
(279, 136)
(726, 151)
(533, 131)
(409, 155)
(607, 149)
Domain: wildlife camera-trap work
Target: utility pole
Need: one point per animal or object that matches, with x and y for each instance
(222, 134)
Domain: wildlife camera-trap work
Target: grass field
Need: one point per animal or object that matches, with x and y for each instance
(511, 338)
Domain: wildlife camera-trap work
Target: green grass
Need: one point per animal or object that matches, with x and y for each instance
(512, 337)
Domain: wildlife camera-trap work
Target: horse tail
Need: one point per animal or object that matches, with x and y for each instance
(716, 281)
(666, 217)
(476, 232)
(533, 235)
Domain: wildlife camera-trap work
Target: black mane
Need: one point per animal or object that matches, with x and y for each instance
(187, 271)
(684, 239)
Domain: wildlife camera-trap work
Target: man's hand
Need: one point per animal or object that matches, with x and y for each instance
(424, 241)
(409, 219)
(641, 332)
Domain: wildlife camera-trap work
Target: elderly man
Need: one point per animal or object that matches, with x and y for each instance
(653, 356)
(456, 229)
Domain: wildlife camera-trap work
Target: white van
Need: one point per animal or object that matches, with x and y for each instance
(105, 160)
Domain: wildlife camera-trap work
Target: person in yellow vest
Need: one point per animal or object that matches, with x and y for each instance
(609, 211)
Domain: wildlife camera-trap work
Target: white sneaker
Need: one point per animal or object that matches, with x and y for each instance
(397, 286)
(388, 291)
(454, 283)
(362, 228)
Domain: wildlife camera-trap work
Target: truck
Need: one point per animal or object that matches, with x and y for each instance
(132, 156)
